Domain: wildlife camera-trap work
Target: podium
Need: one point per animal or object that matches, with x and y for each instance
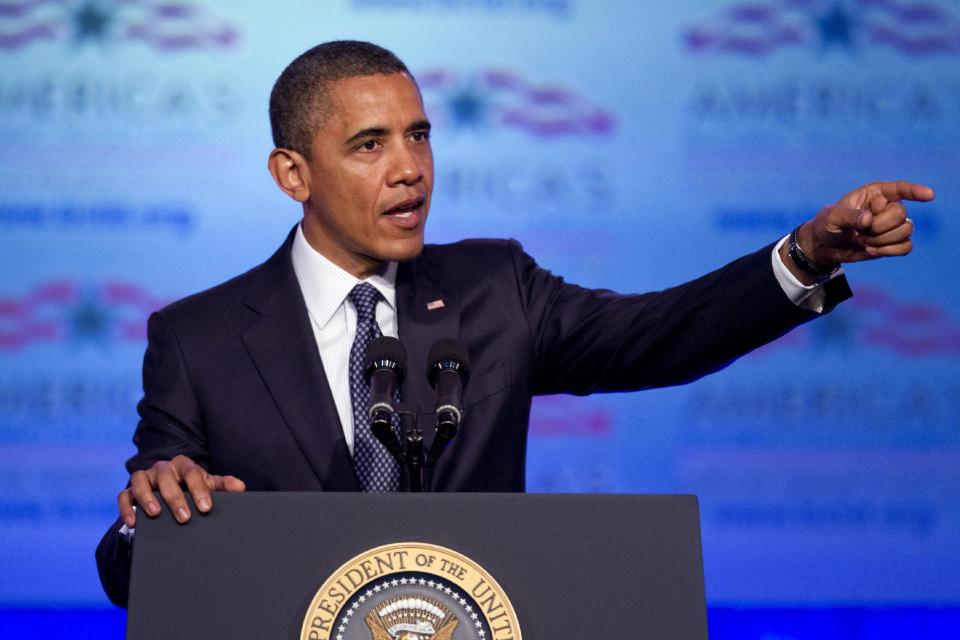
(384, 566)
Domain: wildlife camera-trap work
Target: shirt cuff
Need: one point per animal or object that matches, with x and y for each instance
(127, 532)
(810, 297)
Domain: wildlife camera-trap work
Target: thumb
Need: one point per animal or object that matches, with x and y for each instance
(841, 219)
(229, 483)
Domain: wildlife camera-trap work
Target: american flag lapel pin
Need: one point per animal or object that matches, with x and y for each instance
(433, 305)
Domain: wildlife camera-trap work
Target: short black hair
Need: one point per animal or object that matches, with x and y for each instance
(298, 102)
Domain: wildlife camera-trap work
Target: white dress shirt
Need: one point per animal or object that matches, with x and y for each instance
(325, 287)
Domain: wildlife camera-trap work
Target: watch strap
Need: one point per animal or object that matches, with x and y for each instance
(805, 264)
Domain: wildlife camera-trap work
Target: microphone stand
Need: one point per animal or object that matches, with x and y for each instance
(417, 467)
(413, 456)
(408, 451)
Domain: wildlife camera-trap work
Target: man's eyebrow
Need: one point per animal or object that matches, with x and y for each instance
(369, 132)
(419, 125)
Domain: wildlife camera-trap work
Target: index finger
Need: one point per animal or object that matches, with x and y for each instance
(895, 191)
(142, 484)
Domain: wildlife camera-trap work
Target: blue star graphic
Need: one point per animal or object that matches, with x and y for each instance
(89, 322)
(467, 107)
(836, 27)
(91, 21)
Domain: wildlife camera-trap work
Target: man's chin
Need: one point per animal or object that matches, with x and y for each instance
(403, 252)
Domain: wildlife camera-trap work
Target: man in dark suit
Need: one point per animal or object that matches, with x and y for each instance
(246, 385)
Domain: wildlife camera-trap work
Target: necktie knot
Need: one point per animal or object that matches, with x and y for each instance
(364, 298)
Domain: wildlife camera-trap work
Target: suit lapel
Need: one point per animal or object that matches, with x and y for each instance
(418, 285)
(283, 348)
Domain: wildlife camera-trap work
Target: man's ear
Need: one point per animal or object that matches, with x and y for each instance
(289, 169)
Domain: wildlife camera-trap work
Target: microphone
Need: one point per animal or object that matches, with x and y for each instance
(448, 374)
(385, 365)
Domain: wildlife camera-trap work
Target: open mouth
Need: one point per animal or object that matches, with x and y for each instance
(407, 213)
(406, 208)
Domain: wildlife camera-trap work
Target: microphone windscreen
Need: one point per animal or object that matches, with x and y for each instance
(449, 349)
(387, 348)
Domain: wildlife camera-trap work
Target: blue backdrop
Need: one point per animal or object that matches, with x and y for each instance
(627, 145)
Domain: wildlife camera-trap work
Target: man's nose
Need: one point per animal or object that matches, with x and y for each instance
(407, 167)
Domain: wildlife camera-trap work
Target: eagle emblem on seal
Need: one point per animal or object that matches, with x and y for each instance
(411, 617)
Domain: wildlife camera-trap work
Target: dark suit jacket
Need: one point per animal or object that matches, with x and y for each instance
(233, 379)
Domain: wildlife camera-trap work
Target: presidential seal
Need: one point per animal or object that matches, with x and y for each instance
(410, 591)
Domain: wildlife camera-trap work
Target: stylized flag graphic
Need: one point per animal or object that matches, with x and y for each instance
(913, 27)
(874, 319)
(166, 25)
(67, 311)
(908, 329)
(504, 98)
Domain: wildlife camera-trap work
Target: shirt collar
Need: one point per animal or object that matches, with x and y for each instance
(325, 286)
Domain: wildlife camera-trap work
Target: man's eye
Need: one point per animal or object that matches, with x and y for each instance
(369, 145)
(420, 136)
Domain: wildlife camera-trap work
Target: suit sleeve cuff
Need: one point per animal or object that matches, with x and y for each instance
(809, 297)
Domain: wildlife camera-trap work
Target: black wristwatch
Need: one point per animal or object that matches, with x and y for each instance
(805, 264)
